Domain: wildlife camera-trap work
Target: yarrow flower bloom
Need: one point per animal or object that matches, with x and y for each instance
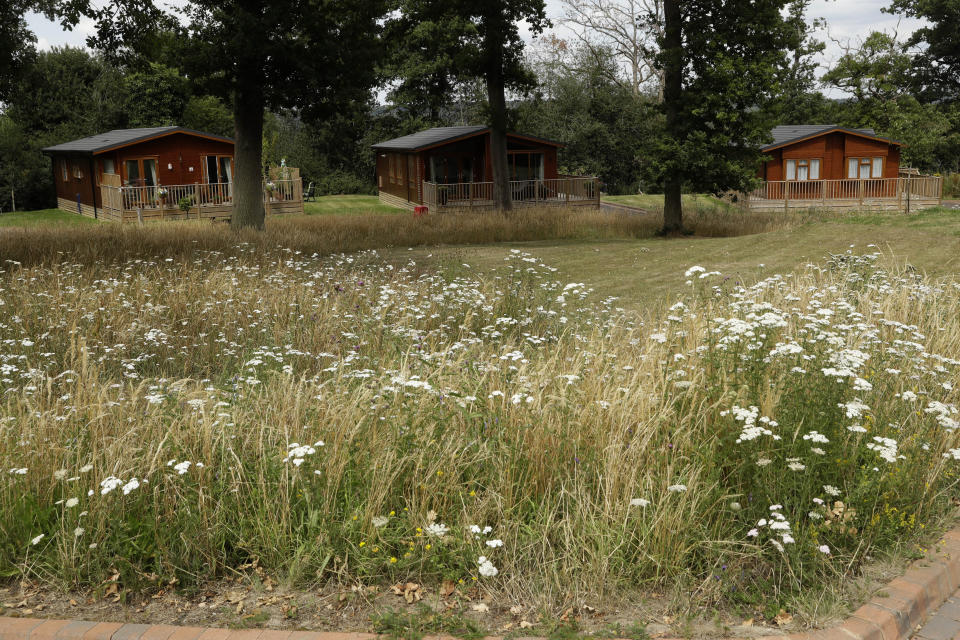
(493, 544)
(677, 488)
(487, 569)
(109, 484)
(71, 503)
(437, 530)
(824, 549)
(643, 502)
(379, 521)
(37, 540)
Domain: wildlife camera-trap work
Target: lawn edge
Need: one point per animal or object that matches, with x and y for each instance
(896, 612)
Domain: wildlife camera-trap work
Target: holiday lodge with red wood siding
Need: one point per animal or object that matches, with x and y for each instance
(148, 157)
(834, 167)
(451, 167)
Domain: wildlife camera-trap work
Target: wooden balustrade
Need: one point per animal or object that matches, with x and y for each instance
(849, 189)
(563, 190)
(185, 201)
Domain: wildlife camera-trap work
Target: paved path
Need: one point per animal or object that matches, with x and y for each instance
(944, 623)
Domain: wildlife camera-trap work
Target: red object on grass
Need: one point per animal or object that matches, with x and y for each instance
(420, 210)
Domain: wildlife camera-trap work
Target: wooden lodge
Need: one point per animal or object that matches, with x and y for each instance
(158, 173)
(449, 167)
(826, 166)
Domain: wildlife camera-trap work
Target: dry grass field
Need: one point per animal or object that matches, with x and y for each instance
(560, 411)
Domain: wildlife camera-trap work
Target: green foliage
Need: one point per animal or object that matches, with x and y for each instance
(208, 113)
(156, 96)
(879, 76)
(876, 70)
(605, 128)
(937, 66)
(728, 58)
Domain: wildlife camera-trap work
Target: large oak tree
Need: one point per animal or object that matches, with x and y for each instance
(313, 56)
(722, 62)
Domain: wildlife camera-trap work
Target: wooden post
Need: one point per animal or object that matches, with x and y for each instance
(861, 193)
(786, 196)
(909, 180)
(139, 213)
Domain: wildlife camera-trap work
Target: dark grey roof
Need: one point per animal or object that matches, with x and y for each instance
(787, 133)
(121, 137)
(429, 137)
(438, 135)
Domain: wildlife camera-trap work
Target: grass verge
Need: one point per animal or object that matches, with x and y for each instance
(355, 420)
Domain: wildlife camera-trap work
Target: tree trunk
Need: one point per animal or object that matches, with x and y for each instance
(498, 123)
(248, 211)
(672, 95)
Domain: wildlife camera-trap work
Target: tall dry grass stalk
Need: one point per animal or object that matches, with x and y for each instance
(346, 418)
(335, 234)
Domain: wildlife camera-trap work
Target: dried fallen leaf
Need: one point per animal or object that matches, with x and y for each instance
(447, 588)
(747, 623)
(525, 625)
(516, 609)
(783, 618)
(480, 607)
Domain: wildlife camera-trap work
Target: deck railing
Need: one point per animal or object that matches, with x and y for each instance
(850, 189)
(203, 200)
(563, 190)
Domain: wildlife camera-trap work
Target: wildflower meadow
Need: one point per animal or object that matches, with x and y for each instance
(353, 418)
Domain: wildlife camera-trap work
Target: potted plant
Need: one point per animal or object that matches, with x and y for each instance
(161, 196)
(271, 187)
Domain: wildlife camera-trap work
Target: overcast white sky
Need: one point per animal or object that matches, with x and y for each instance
(846, 19)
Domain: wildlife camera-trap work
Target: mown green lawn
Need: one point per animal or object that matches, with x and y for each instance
(42, 218)
(348, 205)
(649, 272)
(655, 201)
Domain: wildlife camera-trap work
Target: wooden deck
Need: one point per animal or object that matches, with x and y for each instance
(908, 193)
(563, 191)
(186, 201)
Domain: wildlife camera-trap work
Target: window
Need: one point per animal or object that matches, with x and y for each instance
(803, 169)
(525, 165)
(865, 168)
(140, 172)
(106, 166)
(218, 169)
(392, 167)
(77, 171)
(63, 171)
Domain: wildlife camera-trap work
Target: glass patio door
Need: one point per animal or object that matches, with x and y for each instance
(141, 174)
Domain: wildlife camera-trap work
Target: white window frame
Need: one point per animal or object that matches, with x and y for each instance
(875, 164)
(793, 166)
